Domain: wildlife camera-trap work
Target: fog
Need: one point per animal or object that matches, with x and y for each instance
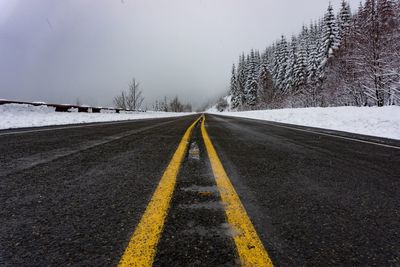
(61, 50)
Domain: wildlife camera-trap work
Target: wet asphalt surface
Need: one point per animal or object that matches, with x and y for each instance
(73, 197)
(80, 209)
(196, 232)
(314, 200)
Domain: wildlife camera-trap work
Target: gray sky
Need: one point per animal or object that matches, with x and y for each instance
(59, 50)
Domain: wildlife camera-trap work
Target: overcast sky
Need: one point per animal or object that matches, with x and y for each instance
(61, 50)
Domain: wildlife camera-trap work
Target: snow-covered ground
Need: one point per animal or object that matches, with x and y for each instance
(374, 121)
(228, 100)
(18, 115)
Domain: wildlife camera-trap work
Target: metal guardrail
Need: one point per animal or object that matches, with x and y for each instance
(68, 107)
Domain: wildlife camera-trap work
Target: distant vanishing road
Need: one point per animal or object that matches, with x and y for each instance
(197, 191)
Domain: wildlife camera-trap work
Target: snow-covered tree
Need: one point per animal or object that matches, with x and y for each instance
(300, 66)
(265, 85)
(282, 58)
(389, 30)
(313, 60)
(257, 60)
(241, 80)
(291, 64)
(348, 59)
(234, 90)
(251, 88)
(344, 20)
(329, 37)
(274, 64)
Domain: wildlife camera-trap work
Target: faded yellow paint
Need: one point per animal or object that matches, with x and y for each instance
(249, 246)
(205, 193)
(141, 249)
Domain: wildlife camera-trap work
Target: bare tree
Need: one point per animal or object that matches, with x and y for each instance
(120, 101)
(132, 99)
(175, 105)
(135, 98)
(187, 108)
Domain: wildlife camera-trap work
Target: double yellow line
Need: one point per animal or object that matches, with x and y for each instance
(141, 249)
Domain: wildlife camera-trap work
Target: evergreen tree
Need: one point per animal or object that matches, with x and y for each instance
(275, 62)
(300, 66)
(241, 80)
(365, 69)
(344, 20)
(282, 61)
(329, 37)
(368, 53)
(251, 88)
(267, 57)
(313, 60)
(234, 92)
(257, 59)
(386, 16)
(292, 62)
(388, 28)
(265, 85)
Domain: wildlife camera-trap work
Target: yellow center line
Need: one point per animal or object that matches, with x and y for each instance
(249, 246)
(142, 245)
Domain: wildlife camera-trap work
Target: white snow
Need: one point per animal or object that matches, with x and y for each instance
(228, 100)
(374, 121)
(22, 115)
(214, 109)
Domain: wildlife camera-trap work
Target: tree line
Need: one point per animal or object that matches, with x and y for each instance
(341, 59)
(174, 105)
(132, 99)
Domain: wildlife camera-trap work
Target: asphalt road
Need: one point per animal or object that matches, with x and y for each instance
(315, 200)
(73, 196)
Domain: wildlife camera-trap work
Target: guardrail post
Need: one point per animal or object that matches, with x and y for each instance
(83, 109)
(60, 108)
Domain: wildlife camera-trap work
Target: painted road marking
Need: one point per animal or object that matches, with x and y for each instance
(249, 246)
(141, 249)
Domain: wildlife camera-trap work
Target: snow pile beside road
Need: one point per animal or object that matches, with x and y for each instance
(374, 121)
(21, 115)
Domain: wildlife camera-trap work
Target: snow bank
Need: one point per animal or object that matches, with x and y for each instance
(21, 115)
(374, 121)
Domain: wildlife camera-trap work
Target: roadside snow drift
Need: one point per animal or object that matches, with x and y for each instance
(21, 115)
(374, 121)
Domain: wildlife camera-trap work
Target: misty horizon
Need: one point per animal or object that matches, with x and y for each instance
(58, 51)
